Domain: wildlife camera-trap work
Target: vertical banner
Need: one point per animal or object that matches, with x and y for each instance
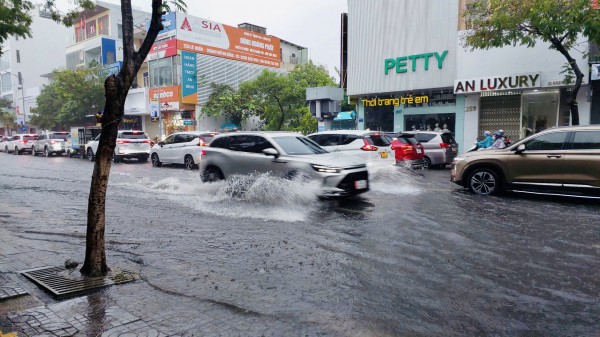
(189, 78)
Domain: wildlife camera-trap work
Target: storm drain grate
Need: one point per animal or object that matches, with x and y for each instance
(7, 293)
(62, 283)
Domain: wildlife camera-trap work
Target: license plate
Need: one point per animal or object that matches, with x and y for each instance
(383, 154)
(360, 184)
(419, 151)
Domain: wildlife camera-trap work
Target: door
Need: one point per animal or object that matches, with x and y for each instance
(582, 160)
(248, 155)
(165, 152)
(179, 147)
(542, 162)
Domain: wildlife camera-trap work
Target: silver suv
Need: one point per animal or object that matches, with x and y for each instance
(49, 143)
(284, 154)
(440, 147)
(130, 144)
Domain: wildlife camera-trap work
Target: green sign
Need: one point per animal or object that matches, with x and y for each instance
(402, 62)
(189, 122)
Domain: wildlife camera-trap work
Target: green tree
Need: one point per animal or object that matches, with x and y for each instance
(498, 23)
(227, 102)
(116, 88)
(70, 96)
(7, 118)
(279, 100)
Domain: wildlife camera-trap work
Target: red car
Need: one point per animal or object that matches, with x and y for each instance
(407, 149)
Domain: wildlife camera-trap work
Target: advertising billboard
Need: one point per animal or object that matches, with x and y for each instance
(168, 99)
(189, 78)
(162, 49)
(212, 38)
(168, 21)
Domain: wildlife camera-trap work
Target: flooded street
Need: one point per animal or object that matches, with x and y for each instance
(414, 256)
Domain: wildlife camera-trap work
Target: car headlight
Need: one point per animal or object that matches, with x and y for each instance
(457, 159)
(326, 169)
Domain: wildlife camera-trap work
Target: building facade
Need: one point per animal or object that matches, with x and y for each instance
(22, 70)
(414, 73)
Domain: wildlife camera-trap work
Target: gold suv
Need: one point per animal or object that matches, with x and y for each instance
(558, 161)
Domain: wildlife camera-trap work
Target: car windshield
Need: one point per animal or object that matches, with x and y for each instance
(299, 145)
(378, 140)
(30, 137)
(59, 136)
(408, 140)
(133, 135)
(447, 138)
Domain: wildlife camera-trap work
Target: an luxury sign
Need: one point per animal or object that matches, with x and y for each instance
(497, 83)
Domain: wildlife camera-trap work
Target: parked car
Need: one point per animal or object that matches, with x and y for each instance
(284, 154)
(440, 147)
(3, 143)
(558, 161)
(407, 150)
(181, 148)
(20, 143)
(371, 146)
(49, 143)
(130, 144)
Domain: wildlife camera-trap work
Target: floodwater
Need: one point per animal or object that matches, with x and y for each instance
(414, 256)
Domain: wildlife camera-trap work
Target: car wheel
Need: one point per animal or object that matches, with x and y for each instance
(33, 153)
(16, 152)
(6, 149)
(116, 159)
(90, 155)
(484, 181)
(46, 152)
(426, 163)
(189, 162)
(211, 174)
(155, 161)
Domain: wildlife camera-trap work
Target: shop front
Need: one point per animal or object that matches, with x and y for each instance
(175, 115)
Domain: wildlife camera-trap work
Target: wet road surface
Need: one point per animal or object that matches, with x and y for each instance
(415, 256)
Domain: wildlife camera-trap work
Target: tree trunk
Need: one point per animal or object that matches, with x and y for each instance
(573, 106)
(116, 89)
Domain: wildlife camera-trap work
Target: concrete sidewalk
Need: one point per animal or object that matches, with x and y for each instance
(139, 308)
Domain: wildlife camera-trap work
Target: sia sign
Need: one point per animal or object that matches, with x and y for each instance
(401, 63)
(497, 83)
(212, 38)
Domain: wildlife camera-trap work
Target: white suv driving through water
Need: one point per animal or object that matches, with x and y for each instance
(130, 144)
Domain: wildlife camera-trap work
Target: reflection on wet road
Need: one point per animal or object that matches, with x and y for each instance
(416, 255)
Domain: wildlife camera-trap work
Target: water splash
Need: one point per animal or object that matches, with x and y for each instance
(396, 180)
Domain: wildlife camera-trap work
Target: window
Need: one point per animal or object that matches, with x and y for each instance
(18, 56)
(552, 141)
(103, 25)
(181, 138)
(120, 31)
(222, 143)
(254, 144)
(347, 139)
(20, 77)
(6, 82)
(169, 140)
(377, 140)
(298, 146)
(132, 135)
(329, 140)
(425, 137)
(586, 140)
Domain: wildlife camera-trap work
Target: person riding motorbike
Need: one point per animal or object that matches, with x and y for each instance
(486, 142)
(498, 137)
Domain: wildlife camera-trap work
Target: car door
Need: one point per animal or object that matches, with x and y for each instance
(582, 160)
(541, 164)
(179, 147)
(164, 150)
(248, 157)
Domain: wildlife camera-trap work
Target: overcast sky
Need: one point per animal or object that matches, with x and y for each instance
(314, 24)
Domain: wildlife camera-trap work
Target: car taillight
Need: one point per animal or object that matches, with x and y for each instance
(444, 145)
(407, 148)
(203, 153)
(147, 141)
(202, 143)
(368, 147)
(24, 141)
(122, 141)
(52, 142)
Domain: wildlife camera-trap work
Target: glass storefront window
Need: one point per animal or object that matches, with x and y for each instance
(163, 72)
(539, 111)
(430, 122)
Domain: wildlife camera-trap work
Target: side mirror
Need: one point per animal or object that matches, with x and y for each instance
(520, 149)
(271, 152)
